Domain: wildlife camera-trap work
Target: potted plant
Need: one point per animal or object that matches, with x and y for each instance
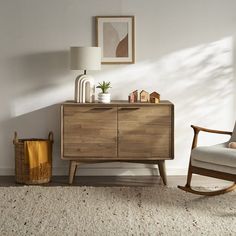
(104, 96)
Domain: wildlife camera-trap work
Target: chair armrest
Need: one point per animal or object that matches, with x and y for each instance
(198, 129)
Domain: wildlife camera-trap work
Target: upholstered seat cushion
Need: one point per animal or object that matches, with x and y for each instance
(218, 157)
(211, 166)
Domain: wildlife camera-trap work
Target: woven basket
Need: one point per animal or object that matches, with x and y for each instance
(23, 174)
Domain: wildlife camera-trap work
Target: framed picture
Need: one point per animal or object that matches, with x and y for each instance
(115, 36)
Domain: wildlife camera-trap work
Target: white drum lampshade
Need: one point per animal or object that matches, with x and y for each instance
(85, 58)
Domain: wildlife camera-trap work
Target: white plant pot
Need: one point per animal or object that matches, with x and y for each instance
(104, 97)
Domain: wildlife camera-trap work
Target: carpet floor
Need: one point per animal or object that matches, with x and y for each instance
(103, 211)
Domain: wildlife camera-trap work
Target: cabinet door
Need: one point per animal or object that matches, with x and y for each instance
(89, 131)
(145, 132)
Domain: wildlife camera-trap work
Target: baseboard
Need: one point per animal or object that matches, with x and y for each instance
(93, 171)
(7, 171)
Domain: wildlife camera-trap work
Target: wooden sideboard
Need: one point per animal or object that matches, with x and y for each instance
(119, 131)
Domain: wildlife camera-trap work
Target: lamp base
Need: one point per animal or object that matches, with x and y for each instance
(84, 89)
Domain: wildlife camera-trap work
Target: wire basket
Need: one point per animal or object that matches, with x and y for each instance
(32, 165)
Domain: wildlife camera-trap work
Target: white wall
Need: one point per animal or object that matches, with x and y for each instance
(184, 49)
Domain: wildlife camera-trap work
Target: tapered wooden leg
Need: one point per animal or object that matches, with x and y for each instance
(189, 178)
(162, 170)
(73, 167)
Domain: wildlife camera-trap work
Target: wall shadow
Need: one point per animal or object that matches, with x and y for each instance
(36, 124)
(41, 70)
(199, 81)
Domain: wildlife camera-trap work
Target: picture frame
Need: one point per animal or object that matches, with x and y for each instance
(115, 35)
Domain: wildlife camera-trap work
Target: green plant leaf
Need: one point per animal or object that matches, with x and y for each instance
(104, 86)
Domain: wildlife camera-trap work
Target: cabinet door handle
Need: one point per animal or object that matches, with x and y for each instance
(129, 108)
(101, 108)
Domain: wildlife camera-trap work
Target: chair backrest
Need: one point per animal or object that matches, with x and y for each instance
(233, 137)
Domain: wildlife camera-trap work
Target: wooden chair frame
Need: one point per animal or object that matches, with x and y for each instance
(207, 172)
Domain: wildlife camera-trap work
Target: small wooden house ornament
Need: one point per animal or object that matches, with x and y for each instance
(144, 96)
(155, 97)
(133, 97)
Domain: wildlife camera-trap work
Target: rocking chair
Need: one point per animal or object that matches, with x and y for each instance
(216, 161)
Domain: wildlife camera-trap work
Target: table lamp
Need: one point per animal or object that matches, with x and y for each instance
(85, 58)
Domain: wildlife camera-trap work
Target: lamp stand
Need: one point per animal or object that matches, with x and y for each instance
(84, 89)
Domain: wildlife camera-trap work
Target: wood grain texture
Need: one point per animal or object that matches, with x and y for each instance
(144, 132)
(115, 103)
(198, 129)
(72, 170)
(89, 131)
(162, 170)
(120, 131)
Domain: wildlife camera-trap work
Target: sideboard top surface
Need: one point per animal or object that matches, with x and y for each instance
(119, 102)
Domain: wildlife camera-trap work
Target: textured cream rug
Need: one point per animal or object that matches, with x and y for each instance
(114, 211)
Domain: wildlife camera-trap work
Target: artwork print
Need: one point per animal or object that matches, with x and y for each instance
(115, 36)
